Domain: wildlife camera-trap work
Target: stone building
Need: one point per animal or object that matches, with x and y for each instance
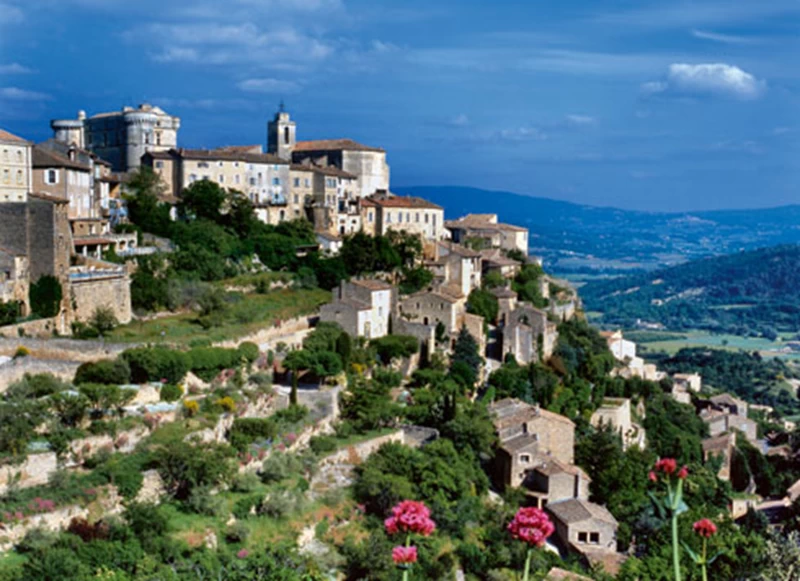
(384, 211)
(486, 228)
(430, 307)
(330, 196)
(456, 266)
(525, 331)
(15, 168)
(588, 529)
(494, 260)
(15, 279)
(363, 308)
(616, 412)
(720, 422)
(263, 178)
(688, 381)
(121, 137)
(722, 447)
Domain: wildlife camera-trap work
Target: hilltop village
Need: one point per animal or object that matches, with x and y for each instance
(240, 358)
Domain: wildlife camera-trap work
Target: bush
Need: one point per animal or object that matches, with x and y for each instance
(246, 431)
(394, 347)
(155, 364)
(281, 504)
(201, 501)
(237, 533)
(170, 392)
(280, 466)
(322, 444)
(207, 362)
(226, 403)
(246, 482)
(260, 379)
(45, 296)
(249, 351)
(243, 508)
(191, 407)
(103, 320)
(106, 371)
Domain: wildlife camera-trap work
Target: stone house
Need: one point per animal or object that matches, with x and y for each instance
(551, 480)
(586, 528)
(525, 331)
(15, 168)
(120, 137)
(430, 307)
(720, 422)
(456, 265)
(332, 201)
(383, 211)
(725, 402)
(493, 260)
(722, 446)
(363, 308)
(15, 279)
(688, 381)
(329, 244)
(622, 349)
(616, 412)
(486, 228)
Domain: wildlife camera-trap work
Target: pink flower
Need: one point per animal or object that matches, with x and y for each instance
(683, 473)
(705, 528)
(404, 555)
(531, 525)
(243, 554)
(410, 517)
(667, 465)
(652, 476)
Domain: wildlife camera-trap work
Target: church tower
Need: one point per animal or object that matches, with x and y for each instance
(281, 135)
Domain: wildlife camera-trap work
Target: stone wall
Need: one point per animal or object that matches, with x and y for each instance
(37, 328)
(34, 471)
(123, 442)
(16, 369)
(89, 294)
(63, 349)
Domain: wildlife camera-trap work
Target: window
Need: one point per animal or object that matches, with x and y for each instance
(147, 139)
(5, 155)
(369, 216)
(417, 218)
(6, 176)
(19, 156)
(159, 164)
(51, 176)
(388, 217)
(524, 458)
(276, 181)
(220, 164)
(286, 135)
(235, 164)
(296, 199)
(221, 179)
(192, 178)
(297, 182)
(426, 218)
(237, 178)
(308, 182)
(408, 216)
(158, 139)
(583, 537)
(20, 178)
(434, 219)
(252, 181)
(399, 217)
(594, 538)
(202, 164)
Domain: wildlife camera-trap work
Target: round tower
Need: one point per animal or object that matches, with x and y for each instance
(69, 131)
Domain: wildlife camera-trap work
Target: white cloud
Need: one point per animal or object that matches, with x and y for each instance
(460, 120)
(14, 69)
(723, 38)
(581, 120)
(522, 133)
(708, 79)
(686, 13)
(17, 94)
(177, 54)
(269, 86)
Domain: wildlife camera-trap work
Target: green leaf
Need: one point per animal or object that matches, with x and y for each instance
(695, 557)
(662, 514)
(681, 507)
(714, 558)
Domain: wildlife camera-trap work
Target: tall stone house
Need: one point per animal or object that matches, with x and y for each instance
(616, 412)
(485, 229)
(363, 308)
(588, 529)
(525, 332)
(15, 168)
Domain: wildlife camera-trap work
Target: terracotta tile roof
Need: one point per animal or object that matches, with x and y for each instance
(452, 291)
(504, 293)
(159, 154)
(519, 443)
(6, 136)
(453, 248)
(333, 145)
(241, 148)
(483, 222)
(373, 284)
(217, 155)
(45, 158)
(495, 256)
(550, 466)
(576, 510)
(330, 170)
(392, 201)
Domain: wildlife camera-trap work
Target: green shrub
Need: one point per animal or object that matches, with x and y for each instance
(45, 296)
(107, 371)
(201, 501)
(260, 379)
(249, 351)
(207, 362)
(125, 472)
(237, 533)
(281, 504)
(242, 508)
(280, 466)
(155, 364)
(170, 392)
(322, 444)
(245, 482)
(245, 431)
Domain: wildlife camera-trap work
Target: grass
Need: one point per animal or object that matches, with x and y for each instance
(671, 343)
(252, 279)
(244, 317)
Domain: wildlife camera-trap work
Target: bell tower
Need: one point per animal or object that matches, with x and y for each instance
(281, 134)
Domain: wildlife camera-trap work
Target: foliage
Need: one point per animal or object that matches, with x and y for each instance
(45, 296)
(484, 304)
(466, 361)
(185, 467)
(107, 371)
(170, 392)
(394, 347)
(145, 210)
(155, 364)
(367, 405)
(10, 311)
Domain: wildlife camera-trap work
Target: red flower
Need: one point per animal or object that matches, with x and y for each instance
(404, 555)
(683, 473)
(243, 554)
(531, 525)
(667, 465)
(705, 528)
(410, 517)
(652, 476)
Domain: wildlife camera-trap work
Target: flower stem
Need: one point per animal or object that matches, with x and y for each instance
(704, 563)
(527, 565)
(408, 567)
(676, 562)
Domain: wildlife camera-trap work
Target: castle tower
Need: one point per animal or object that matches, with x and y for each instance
(281, 135)
(69, 131)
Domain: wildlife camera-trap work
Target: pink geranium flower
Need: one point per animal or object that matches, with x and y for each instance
(410, 517)
(404, 555)
(532, 526)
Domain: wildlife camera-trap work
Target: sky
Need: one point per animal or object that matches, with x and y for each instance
(638, 104)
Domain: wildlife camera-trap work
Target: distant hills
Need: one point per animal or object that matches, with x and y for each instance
(743, 293)
(575, 238)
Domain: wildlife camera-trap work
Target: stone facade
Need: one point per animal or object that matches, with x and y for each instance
(35, 470)
(486, 228)
(383, 212)
(525, 331)
(616, 412)
(15, 168)
(722, 447)
(100, 285)
(121, 137)
(432, 307)
(584, 526)
(362, 308)
(15, 280)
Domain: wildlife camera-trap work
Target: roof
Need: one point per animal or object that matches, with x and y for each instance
(221, 155)
(719, 443)
(558, 574)
(328, 170)
(257, 148)
(494, 256)
(6, 136)
(512, 411)
(357, 305)
(159, 154)
(373, 284)
(328, 236)
(519, 443)
(45, 158)
(458, 249)
(727, 399)
(91, 240)
(333, 145)
(393, 201)
(48, 198)
(575, 510)
(483, 222)
(550, 466)
(504, 293)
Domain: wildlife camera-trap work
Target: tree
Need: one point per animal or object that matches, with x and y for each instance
(185, 467)
(103, 320)
(484, 304)
(145, 188)
(69, 407)
(466, 359)
(297, 361)
(45, 296)
(105, 398)
(395, 346)
(203, 199)
(327, 364)
(108, 371)
(367, 405)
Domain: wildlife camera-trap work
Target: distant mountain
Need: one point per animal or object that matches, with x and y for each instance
(579, 238)
(756, 291)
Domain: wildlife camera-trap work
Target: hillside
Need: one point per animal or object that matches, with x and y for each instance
(574, 238)
(747, 292)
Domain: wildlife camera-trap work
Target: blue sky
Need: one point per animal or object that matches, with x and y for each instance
(639, 104)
